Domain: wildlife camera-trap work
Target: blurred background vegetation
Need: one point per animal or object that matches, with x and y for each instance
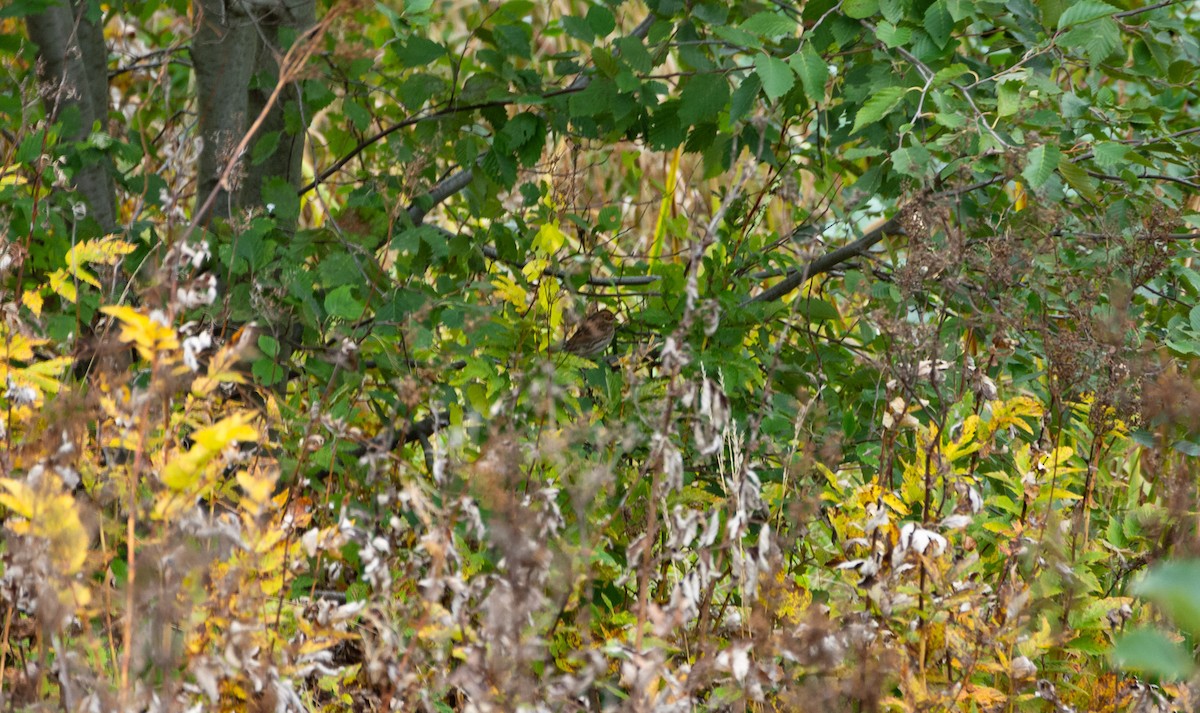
(900, 414)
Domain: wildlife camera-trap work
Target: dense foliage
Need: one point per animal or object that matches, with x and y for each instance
(900, 412)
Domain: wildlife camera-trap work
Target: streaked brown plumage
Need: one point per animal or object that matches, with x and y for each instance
(593, 335)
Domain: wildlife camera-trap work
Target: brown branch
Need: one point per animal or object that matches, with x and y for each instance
(1148, 8)
(830, 260)
(460, 180)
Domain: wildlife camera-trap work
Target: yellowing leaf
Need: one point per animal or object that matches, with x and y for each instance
(184, 471)
(510, 291)
(548, 239)
(1015, 190)
(148, 335)
(98, 251)
(50, 514)
(966, 443)
(43, 375)
(257, 487)
(63, 286)
(32, 299)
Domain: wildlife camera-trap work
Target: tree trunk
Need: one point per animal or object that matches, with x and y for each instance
(235, 55)
(73, 71)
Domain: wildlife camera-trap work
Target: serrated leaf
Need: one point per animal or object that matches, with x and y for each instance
(601, 20)
(860, 9)
(776, 75)
(878, 106)
(813, 72)
(891, 35)
(771, 25)
(418, 51)
(1040, 164)
(1110, 154)
(949, 74)
(184, 471)
(578, 28)
(265, 147)
(342, 303)
(939, 24)
(1098, 39)
(912, 161)
(743, 97)
(1077, 178)
(704, 96)
(1084, 11)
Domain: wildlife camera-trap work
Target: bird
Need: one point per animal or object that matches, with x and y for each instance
(592, 336)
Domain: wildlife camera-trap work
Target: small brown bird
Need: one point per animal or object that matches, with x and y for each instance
(593, 335)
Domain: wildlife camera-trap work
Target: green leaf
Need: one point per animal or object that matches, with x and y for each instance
(268, 372)
(514, 39)
(1153, 653)
(776, 75)
(743, 97)
(813, 72)
(279, 196)
(771, 25)
(893, 36)
(1008, 98)
(1175, 586)
(912, 161)
(939, 24)
(949, 74)
(1040, 164)
(578, 28)
(702, 98)
(418, 51)
(817, 310)
(601, 20)
(860, 9)
(342, 303)
(1084, 11)
(264, 147)
(1099, 40)
(878, 106)
(268, 345)
(1077, 178)
(634, 54)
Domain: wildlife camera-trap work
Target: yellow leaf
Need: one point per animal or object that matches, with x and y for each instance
(50, 514)
(534, 268)
(18, 347)
(510, 291)
(103, 251)
(33, 300)
(185, 471)
(257, 487)
(19, 497)
(63, 286)
(43, 375)
(148, 335)
(548, 239)
(1016, 193)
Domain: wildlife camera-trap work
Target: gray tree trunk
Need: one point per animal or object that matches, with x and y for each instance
(73, 71)
(235, 41)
